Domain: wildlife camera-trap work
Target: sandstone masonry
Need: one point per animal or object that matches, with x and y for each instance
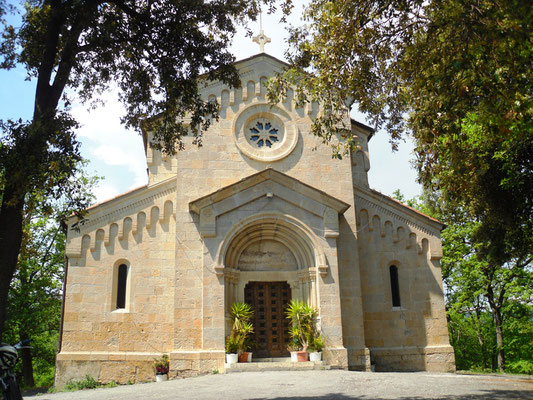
(155, 270)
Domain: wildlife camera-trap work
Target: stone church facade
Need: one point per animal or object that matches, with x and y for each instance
(260, 213)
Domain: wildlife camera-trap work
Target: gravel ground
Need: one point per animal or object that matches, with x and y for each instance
(319, 385)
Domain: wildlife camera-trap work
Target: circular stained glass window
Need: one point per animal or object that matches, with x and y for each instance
(263, 133)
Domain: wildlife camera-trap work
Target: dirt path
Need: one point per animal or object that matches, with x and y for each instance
(320, 385)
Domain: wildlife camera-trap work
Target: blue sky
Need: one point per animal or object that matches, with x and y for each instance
(117, 155)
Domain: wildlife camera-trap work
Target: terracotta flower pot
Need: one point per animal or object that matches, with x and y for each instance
(303, 356)
(243, 357)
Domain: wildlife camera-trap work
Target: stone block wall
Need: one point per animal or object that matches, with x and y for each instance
(414, 335)
(178, 290)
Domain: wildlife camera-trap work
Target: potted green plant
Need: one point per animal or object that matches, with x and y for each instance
(293, 347)
(232, 348)
(315, 347)
(241, 314)
(161, 366)
(302, 317)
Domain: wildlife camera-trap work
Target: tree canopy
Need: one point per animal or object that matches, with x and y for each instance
(489, 304)
(456, 75)
(157, 52)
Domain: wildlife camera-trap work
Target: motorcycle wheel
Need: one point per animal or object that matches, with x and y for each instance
(13, 390)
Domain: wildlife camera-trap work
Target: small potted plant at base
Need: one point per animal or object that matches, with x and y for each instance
(315, 348)
(293, 347)
(161, 366)
(241, 314)
(248, 345)
(232, 348)
(302, 317)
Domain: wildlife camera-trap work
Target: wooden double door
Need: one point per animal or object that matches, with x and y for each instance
(271, 327)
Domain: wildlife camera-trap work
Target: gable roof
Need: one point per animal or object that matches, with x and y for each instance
(284, 64)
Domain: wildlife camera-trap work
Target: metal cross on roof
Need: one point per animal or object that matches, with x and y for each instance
(261, 39)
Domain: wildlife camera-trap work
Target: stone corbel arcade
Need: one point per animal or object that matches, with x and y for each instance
(294, 221)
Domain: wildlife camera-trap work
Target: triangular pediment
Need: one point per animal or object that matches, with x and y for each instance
(269, 183)
(282, 185)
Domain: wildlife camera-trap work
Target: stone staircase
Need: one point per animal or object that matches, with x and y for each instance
(275, 364)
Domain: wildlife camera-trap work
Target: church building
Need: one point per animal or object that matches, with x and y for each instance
(260, 213)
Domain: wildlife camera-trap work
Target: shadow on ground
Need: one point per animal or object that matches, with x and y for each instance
(486, 395)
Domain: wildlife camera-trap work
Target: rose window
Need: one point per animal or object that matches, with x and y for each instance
(263, 133)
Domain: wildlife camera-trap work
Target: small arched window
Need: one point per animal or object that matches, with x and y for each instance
(394, 286)
(122, 285)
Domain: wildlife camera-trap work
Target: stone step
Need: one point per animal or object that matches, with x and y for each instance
(272, 359)
(258, 366)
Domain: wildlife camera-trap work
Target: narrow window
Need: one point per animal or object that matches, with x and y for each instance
(122, 280)
(394, 286)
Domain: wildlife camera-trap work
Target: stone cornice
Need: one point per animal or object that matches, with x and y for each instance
(124, 205)
(365, 198)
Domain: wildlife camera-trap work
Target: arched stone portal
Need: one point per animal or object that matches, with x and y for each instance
(271, 249)
(270, 227)
(268, 260)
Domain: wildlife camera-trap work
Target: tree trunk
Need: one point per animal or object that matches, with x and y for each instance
(11, 218)
(499, 337)
(481, 339)
(27, 363)
(18, 176)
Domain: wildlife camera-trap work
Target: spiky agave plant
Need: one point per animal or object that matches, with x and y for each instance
(241, 314)
(302, 317)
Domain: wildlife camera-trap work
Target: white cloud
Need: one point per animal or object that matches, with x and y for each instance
(105, 191)
(115, 153)
(112, 155)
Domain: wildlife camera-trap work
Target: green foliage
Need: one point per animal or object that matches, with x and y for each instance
(473, 340)
(518, 331)
(88, 383)
(456, 75)
(520, 367)
(317, 343)
(240, 314)
(34, 302)
(303, 323)
(239, 339)
(232, 344)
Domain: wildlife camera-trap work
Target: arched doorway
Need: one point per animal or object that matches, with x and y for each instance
(267, 262)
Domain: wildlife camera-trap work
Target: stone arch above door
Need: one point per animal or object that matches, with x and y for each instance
(273, 227)
(291, 233)
(291, 238)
